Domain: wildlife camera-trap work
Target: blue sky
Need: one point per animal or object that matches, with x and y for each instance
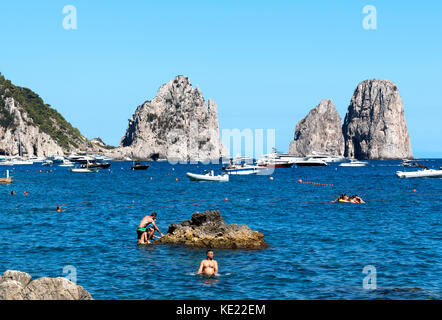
(265, 63)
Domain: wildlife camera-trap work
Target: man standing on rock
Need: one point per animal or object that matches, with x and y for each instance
(146, 234)
(208, 267)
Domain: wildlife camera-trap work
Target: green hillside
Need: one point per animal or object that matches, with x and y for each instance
(42, 115)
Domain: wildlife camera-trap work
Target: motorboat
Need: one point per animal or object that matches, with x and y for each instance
(409, 164)
(84, 170)
(97, 165)
(66, 163)
(243, 169)
(424, 173)
(310, 162)
(19, 161)
(139, 166)
(354, 163)
(325, 157)
(36, 159)
(56, 158)
(209, 176)
(47, 163)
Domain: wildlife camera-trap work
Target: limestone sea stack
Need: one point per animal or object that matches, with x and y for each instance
(17, 285)
(374, 126)
(208, 230)
(320, 131)
(176, 124)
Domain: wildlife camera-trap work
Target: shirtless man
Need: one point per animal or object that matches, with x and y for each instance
(146, 234)
(208, 267)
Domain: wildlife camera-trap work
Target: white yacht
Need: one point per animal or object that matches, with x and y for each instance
(326, 157)
(354, 163)
(311, 162)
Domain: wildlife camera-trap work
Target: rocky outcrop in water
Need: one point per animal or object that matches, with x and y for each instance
(320, 131)
(374, 126)
(176, 124)
(208, 230)
(17, 285)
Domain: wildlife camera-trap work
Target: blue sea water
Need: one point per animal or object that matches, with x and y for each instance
(317, 249)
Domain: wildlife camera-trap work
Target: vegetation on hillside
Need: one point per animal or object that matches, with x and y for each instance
(42, 115)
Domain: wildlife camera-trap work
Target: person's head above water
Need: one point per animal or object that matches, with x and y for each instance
(153, 215)
(209, 254)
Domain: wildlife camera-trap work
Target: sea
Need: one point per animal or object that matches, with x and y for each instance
(388, 248)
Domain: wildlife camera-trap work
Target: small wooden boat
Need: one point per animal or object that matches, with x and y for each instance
(139, 166)
(207, 177)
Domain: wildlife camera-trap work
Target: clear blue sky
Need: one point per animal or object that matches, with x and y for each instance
(265, 63)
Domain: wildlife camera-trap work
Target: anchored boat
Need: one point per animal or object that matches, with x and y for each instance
(425, 173)
(207, 177)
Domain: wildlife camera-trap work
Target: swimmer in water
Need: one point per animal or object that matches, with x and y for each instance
(208, 267)
(58, 209)
(146, 234)
(12, 193)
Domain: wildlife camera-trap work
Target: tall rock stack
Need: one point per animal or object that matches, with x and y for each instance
(374, 126)
(176, 124)
(320, 131)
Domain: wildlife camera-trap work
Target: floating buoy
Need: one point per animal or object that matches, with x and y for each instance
(300, 181)
(176, 179)
(225, 199)
(414, 190)
(271, 178)
(150, 178)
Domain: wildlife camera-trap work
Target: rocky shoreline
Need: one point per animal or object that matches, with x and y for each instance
(17, 285)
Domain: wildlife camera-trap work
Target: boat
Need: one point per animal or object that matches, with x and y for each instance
(7, 179)
(85, 169)
(210, 176)
(66, 163)
(354, 163)
(47, 163)
(139, 166)
(35, 159)
(243, 169)
(325, 157)
(310, 162)
(424, 173)
(409, 164)
(18, 161)
(97, 165)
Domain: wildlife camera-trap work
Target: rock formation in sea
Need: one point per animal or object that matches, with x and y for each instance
(320, 131)
(208, 230)
(17, 285)
(374, 126)
(30, 127)
(176, 124)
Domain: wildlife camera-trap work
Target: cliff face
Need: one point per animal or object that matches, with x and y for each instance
(320, 131)
(374, 126)
(176, 124)
(41, 130)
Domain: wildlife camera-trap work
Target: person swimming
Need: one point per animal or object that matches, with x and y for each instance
(145, 234)
(208, 267)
